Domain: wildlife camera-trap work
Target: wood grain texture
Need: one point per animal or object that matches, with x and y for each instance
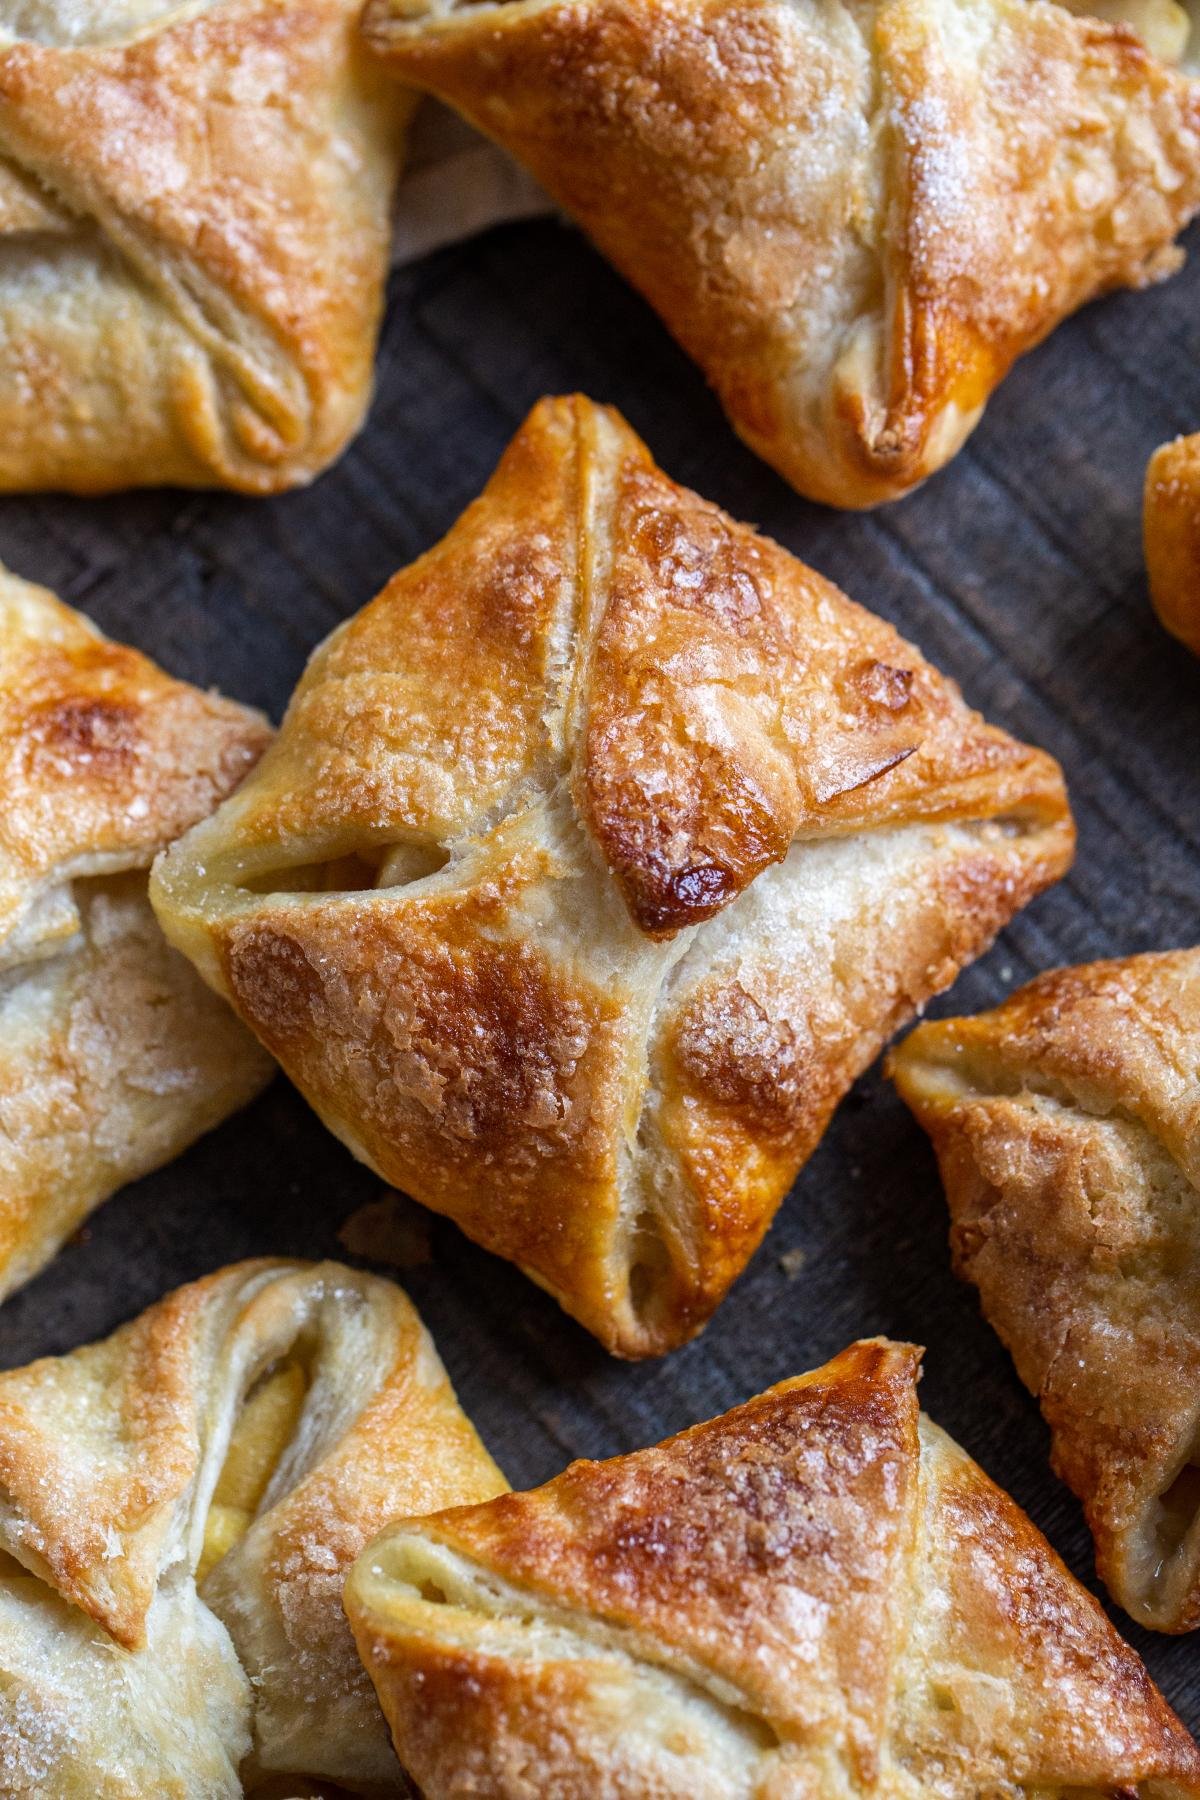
(1018, 570)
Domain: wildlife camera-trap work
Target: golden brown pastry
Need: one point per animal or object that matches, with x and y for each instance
(178, 1507)
(817, 1596)
(1171, 524)
(595, 859)
(194, 207)
(855, 215)
(114, 1056)
(1067, 1126)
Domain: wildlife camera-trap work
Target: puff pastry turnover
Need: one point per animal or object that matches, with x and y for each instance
(855, 216)
(178, 1507)
(193, 240)
(817, 1595)
(113, 1055)
(1067, 1126)
(594, 860)
(1171, 523)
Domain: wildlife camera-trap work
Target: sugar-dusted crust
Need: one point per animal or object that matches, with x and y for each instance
(120, 1679)
(854, 216)
(113, 1054)
(640, 839)
(818, 1594)
(1171, 527)
(1067, 1126)
(193, 241)
(103, 760)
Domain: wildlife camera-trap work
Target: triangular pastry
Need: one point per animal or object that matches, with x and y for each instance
(1171, 526)
(1067, 1127)
(596, 857)
(113, 1055)
(178, 1507)
(854, 214)
(194, 228)
(815, 1597)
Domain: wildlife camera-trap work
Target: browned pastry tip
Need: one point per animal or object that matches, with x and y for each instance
(1171, 526)
(817, 1594)
(1067, 1126)
(596, 857)
(854, 218)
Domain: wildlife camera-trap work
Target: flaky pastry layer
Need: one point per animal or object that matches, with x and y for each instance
(194, 229)
(1067, 1126)
(120, 1677)
(595, 858)
(817, 1596)
(113, 1055)
(854, 216)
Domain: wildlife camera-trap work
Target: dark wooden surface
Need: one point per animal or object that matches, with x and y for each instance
(1018, 571)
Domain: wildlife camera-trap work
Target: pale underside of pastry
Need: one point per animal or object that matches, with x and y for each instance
(1067, 1127)
(818, 1595)
(1171, 526)
(194, 229)
(595, 859)
(1167, 28)
(113, 1054)
(854, 216)
(178, 1507)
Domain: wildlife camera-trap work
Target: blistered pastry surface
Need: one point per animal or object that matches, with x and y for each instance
(817, 1593)
(854, 217)
(122, 1677)
(193, 241)
(639, 839)
(1066, 1123)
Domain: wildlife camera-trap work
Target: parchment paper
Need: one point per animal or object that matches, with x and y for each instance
(456, 184)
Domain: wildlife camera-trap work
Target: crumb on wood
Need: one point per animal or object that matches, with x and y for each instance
(392, 1230)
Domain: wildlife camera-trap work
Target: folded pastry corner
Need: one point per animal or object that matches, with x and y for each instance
(194, 231)
(1171, 529)
(817, 1594)
(178, 1507)
(114, 1056)
(854, 216)
(596, 858)
(1067, 1126)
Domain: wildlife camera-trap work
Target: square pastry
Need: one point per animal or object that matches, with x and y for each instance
(181, 1504)
(594, 860)
(817, 1595)
(194, 234)
(113, 1055)
(854, 216)
(1067, 1126)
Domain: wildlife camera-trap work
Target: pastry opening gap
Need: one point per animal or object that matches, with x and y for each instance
(359, 871)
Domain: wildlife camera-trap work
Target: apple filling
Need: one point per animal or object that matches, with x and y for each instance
(260, 1437)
